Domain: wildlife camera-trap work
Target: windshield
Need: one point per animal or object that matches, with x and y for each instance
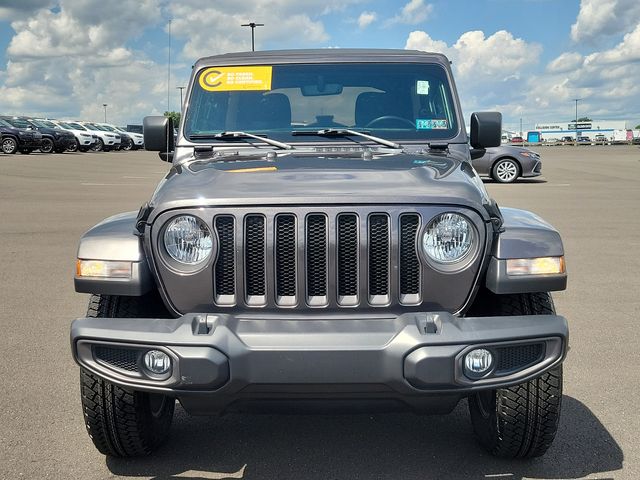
(393, 101)
(43, 123)
(18, 122)
(46, 123)
(77, 126)
(109, 128)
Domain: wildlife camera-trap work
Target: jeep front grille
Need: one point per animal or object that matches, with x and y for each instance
(318, 260)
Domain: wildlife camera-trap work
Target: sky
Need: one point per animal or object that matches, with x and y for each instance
(526, 58)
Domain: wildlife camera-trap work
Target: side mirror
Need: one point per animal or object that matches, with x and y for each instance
(158, 134)
(486, 129)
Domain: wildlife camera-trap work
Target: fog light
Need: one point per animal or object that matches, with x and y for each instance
(478, 361)
(157, 362)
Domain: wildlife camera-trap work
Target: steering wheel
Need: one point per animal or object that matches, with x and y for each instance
(392, 118)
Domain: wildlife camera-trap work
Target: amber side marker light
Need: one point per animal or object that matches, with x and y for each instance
(103, 269)
(535, 266)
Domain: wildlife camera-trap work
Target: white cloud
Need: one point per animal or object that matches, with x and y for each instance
(367, 18)
(566, 62)
(69, 61)
(209, 27)
(474, 55)
(491, 72)
(499, 73)
(627, 51)
(601, 18)
(413, 13)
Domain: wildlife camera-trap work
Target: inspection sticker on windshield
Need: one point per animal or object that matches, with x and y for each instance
(437, 124)
(226, 79)
(422, 87)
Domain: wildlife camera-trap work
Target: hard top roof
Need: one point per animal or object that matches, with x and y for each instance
(322, 55)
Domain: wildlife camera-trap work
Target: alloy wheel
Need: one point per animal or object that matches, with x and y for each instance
(9, 145)
(506, 171)
(47, 145)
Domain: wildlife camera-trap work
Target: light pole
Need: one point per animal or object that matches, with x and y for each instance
(181, 89)
(105, 112)
(169, 71)
(576, 125)
(253, 26)
(521, 127)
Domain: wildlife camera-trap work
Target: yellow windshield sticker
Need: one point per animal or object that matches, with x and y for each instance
(226, 79)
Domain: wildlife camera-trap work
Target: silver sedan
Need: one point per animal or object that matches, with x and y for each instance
(506, 163)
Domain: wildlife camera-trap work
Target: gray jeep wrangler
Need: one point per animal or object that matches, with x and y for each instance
(321, 241)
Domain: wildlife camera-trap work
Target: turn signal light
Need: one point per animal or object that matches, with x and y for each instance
(103, 269)
(535, 266)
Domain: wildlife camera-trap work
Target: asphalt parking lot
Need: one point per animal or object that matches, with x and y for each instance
(591, 194)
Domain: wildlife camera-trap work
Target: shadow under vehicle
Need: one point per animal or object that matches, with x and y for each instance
(18, 136)
(321, 242)
(394, 446)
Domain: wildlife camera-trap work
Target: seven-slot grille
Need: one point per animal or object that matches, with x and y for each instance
(342, 259)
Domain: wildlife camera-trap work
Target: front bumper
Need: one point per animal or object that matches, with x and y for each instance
(64, 142)
(219, 360)
(534, 169)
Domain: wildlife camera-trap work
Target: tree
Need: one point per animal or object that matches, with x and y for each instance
(637, 127)
(584, 119)
(175, 116)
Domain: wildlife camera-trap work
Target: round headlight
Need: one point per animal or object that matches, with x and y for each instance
(448, 238)
(188, 240)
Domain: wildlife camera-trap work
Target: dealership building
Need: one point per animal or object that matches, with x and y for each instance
(610, 128)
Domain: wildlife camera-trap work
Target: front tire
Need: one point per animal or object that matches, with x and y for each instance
(47, 145)
(506, 170)
(98, 146)
(519, 421)
(124, 423)
(74, 147)
(9, 145)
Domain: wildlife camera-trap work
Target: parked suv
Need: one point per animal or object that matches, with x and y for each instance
(54, 138)
(136, 139)
(105, 139)
(126, 141)
(321, 240)
(81, 132)
(84, 140)
(18, 136)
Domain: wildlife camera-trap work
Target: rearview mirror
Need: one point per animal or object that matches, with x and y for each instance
(486, 129)
(158, 134)
(321, 89)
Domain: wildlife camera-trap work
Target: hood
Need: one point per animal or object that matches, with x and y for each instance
(295, 178)
(54, 131)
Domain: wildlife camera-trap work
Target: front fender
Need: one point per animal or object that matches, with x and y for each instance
(115, 239)
(524, 235)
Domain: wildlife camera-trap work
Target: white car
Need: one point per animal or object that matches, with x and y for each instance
(130, 140)
(106, 139)
(84, 139)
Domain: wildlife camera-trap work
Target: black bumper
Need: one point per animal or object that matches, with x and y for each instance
(63, 143)
(416, 358)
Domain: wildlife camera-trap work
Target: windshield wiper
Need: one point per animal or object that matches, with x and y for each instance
(338, 132)
(223, 135)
